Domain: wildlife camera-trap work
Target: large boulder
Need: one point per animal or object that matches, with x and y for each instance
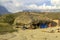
(23, 21)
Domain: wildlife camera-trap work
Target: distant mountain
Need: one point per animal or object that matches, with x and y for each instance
(50, 10)
(42, 10)
(3, 10)
(31, 10)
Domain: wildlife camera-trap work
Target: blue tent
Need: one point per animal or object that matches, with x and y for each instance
(43, 25)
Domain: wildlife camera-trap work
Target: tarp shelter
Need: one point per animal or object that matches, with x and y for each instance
(43, 25)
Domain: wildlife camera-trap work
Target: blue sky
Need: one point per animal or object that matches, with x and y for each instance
(19, 5)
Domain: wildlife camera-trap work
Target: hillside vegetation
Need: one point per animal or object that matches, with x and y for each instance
(7, 20)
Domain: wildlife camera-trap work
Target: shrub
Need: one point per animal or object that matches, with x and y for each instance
(9, 18)
(6, 28)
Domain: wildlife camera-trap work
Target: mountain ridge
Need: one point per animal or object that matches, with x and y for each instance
(3, 10)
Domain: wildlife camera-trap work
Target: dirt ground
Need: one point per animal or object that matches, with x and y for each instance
(33, 34)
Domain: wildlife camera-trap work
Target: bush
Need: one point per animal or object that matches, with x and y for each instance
(6, 28)
(9, 18)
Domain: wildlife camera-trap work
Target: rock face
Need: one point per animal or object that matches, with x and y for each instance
(23, 21)
(28, 20)
(3, 10)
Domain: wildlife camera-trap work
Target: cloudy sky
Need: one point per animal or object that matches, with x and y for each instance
(19, 5)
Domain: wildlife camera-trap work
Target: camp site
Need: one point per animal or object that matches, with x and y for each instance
(30, 26)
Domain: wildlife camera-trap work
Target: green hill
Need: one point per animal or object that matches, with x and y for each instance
(7, 20)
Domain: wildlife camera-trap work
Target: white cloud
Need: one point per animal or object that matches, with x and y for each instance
(11, 2)
(55, 2)
(4, 0)
(42, 7)
(33, 6)
(19, 5)
(16, 3)
(11, 5)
